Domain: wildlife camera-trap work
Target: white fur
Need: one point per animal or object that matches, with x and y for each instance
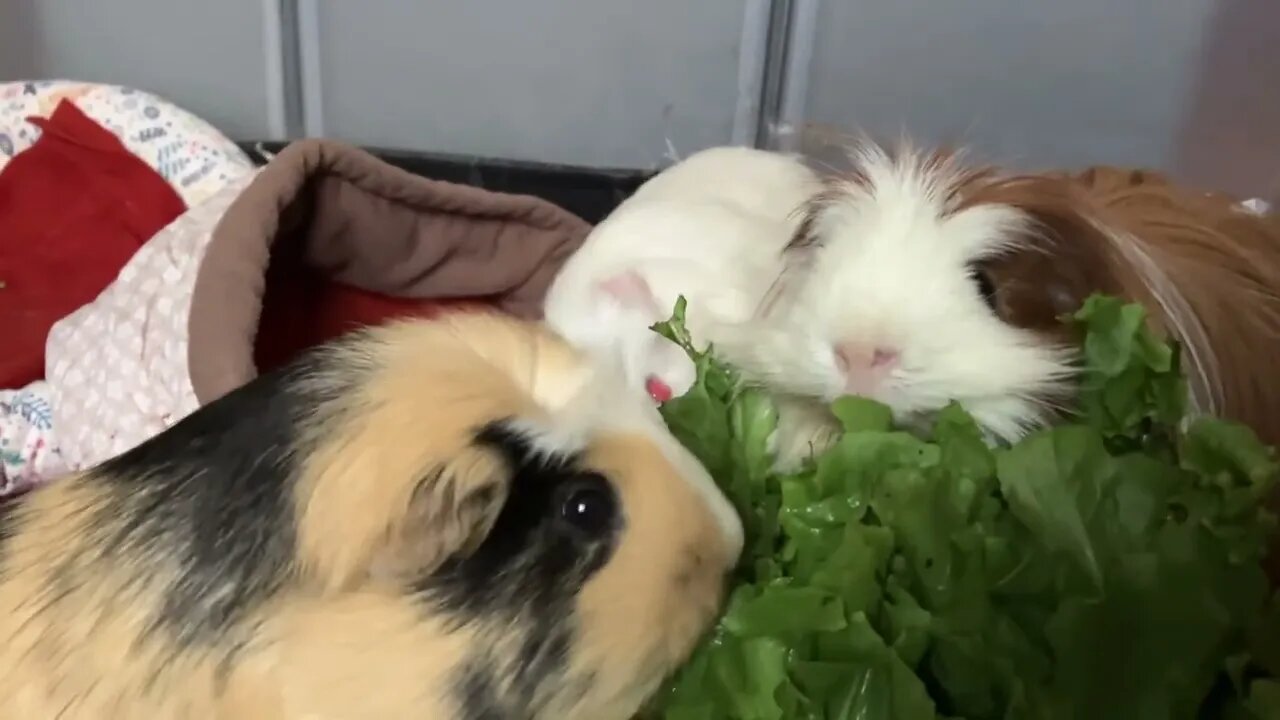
(711, 228)
(892, 268)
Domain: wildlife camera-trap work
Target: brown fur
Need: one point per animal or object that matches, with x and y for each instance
(1223, 260)
(342, 638)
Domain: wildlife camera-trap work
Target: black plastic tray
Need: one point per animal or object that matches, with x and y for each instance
(590, 193)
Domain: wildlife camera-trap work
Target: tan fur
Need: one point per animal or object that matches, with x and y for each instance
(643, 585)
(342, 639)
(479, 369)
(61, 628)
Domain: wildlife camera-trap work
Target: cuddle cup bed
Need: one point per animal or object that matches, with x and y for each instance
(322, 239)
(88, 172)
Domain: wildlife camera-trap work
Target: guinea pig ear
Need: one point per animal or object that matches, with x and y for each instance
(451, 511)
(1065, 253)
(798, 254)
(629, 289)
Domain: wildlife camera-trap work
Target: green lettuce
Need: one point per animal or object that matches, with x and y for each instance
(1103, 568)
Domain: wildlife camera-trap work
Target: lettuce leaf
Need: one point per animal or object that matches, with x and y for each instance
(1107, 567)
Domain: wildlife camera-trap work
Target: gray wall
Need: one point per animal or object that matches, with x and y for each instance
(1034, 83)
(600, 82)
(1231, 137)
(207, 55)
(1028, 82)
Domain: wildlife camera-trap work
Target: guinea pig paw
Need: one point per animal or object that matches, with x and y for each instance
(788, 454)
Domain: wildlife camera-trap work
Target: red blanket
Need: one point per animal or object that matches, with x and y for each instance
(74, 208)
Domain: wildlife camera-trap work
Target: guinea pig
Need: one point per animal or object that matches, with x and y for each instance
(459, 519)
(918, 280)
(712, 228)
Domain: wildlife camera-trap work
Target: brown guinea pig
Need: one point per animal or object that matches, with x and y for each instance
(916, 279)
(456, 519)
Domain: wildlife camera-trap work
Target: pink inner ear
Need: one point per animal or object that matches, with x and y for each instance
(630, 289)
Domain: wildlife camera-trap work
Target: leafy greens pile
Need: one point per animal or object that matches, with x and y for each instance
(1105, 568)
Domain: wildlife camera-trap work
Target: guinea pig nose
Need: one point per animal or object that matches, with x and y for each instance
(858, 357)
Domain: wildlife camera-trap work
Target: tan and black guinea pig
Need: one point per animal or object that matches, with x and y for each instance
(458, 519)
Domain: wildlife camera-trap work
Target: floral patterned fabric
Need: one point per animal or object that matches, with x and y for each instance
(196, 160)
(28, 452)
(117, 367)
(192, 155)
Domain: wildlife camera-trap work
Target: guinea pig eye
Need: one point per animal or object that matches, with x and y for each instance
(588, 505)
(986, 286)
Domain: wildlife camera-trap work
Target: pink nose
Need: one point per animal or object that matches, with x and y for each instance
(657, 389)
(855, 358)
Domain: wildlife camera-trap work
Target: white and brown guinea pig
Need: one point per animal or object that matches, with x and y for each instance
(918, 280)
(458, 519)
(711, 228)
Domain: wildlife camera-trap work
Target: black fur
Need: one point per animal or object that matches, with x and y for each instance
(478, 695)
(525, 547)
(526, 573)
(7, 529)
(214, 494)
